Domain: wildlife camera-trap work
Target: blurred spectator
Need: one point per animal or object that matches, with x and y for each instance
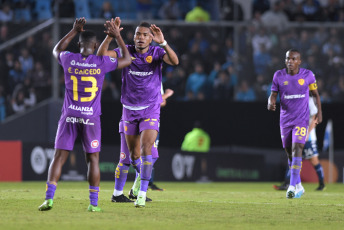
(170, 10)
(144, 9)
(197, 14)
(261, 38)
(290, 9)
(200, 40)
(231, 11)
(333, 44)
(175, 80)
(195, 83)
(15, 76)
(107, 11)
(276, 17)
(2, 104)
(26, 60)
(42, 10)
(245, 92)
(261, 60)
(3, 33)
(41, 81)
(222, 87)
(110, 91)
(312, 10)
(331, 12)
(6, 13)
(22, 11)
(66, 8)
(260, 5)
(23, 97)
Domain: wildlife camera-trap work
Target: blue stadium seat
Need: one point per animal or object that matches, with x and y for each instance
(42, 9)
(82, 9)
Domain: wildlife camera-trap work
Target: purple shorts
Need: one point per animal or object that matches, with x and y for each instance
(135, 121)
(70, 127)
(125, 155)
(294, 134)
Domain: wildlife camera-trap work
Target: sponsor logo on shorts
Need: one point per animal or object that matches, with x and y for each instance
(123, 155)
(152, 123)
(300, 138)
(84, 110)
(301, 81)
(94, 144)
(149, 59)
(79, 120)
(125, 128)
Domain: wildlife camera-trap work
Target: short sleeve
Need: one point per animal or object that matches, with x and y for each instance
(110, 63)
(274, 86)
(160, 53)
(63, 56)
(118, 52)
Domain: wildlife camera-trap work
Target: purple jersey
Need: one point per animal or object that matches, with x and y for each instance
(141, 81)
(84, 78)
(294, 95)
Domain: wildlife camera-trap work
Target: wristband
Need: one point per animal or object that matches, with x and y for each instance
(163, 44)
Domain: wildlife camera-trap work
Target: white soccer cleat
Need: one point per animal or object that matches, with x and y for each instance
(299, 191)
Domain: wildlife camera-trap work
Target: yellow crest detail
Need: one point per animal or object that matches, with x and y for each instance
(295, 167)
(149, 59)
(151, 123)
(125, 128)
(301, 81)
(285, 83)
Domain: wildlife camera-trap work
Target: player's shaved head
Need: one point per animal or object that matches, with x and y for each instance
(294, 51)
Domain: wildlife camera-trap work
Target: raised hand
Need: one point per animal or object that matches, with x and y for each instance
(78, 25)
(157, 36)
(113, 27)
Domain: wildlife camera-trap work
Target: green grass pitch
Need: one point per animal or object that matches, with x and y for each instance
(181, 206)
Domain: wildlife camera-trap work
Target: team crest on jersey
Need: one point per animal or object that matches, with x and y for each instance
(301, 81)
(152, 123)
(94, 144)
(133, 58)
(84, 59)
(285, 83)
(123, 156)
(149, 59)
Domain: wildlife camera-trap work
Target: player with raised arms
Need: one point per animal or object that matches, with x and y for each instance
(84, 75)
(141, 96)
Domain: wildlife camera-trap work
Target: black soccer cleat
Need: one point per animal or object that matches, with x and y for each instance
(321, 187)
(154, 187)
(133, 197)
(121, 199)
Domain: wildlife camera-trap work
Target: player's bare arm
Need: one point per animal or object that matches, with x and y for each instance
(168, 93)
(318, 117)
(171, 57)
(272, 101)
(104, 47)
(78, 27)
(113, 30)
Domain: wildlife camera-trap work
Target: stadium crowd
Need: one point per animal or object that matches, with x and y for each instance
(209, 69)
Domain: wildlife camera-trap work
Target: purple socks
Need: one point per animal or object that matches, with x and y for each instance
(121, 176)
(295, 170)
(94, 195)
(146, 172)
(50, 190)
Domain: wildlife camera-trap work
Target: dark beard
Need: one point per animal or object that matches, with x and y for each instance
(141, 48)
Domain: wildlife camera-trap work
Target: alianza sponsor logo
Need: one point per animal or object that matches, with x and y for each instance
(82, 109)
(79, 120)
(142, 74)
(83, 64)
(295, 96)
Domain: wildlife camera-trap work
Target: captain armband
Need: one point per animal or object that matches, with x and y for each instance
(313, 86)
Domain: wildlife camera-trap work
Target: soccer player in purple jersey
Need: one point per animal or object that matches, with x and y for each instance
(141, 97)
(84, 76)
(294, 84)
(122, 168)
